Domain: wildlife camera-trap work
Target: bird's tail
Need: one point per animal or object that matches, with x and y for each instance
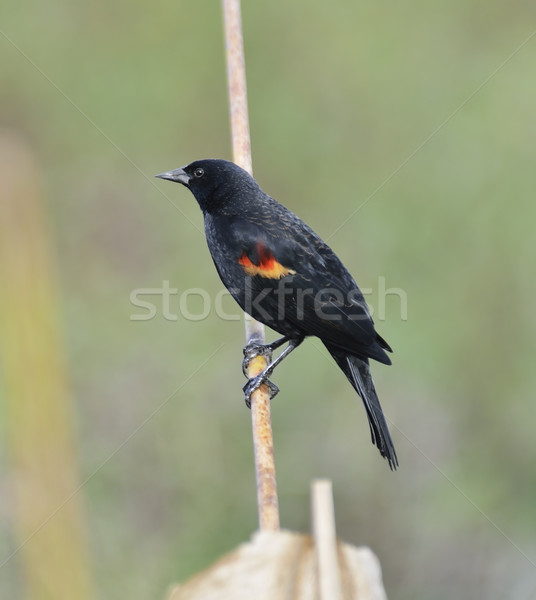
(358, 373)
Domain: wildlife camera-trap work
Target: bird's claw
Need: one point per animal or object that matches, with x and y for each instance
(254, 384)
(253, 349)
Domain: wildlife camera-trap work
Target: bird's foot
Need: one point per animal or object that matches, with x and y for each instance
(254, 384)
(251, 350)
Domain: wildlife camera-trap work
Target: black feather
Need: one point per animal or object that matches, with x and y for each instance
(358, 374)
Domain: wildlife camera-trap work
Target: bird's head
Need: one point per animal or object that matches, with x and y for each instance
(213, 182)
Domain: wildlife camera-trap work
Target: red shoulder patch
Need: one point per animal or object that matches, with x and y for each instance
(268, 266)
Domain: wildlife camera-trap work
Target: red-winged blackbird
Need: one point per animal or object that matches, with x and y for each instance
(282, 274)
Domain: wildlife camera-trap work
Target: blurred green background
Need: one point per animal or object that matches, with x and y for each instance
(340, 95)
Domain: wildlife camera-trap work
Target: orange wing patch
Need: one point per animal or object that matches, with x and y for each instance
(267, 267)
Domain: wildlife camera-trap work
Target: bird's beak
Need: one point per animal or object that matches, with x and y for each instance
(178, 175)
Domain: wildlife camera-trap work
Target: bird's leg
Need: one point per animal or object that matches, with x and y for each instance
(255, 382)
(253, 349)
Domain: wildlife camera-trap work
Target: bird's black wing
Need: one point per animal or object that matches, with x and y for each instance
(317, 296)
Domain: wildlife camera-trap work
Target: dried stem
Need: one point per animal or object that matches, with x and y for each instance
(329, 582)
(260, 400)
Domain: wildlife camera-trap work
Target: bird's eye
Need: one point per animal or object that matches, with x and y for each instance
(199, 172)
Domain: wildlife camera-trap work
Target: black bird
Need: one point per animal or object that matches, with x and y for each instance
(281, 273)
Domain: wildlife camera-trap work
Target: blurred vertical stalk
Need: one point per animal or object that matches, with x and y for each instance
(52, 550)
(263, 442)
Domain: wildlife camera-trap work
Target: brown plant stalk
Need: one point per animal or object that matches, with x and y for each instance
(260, 400)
